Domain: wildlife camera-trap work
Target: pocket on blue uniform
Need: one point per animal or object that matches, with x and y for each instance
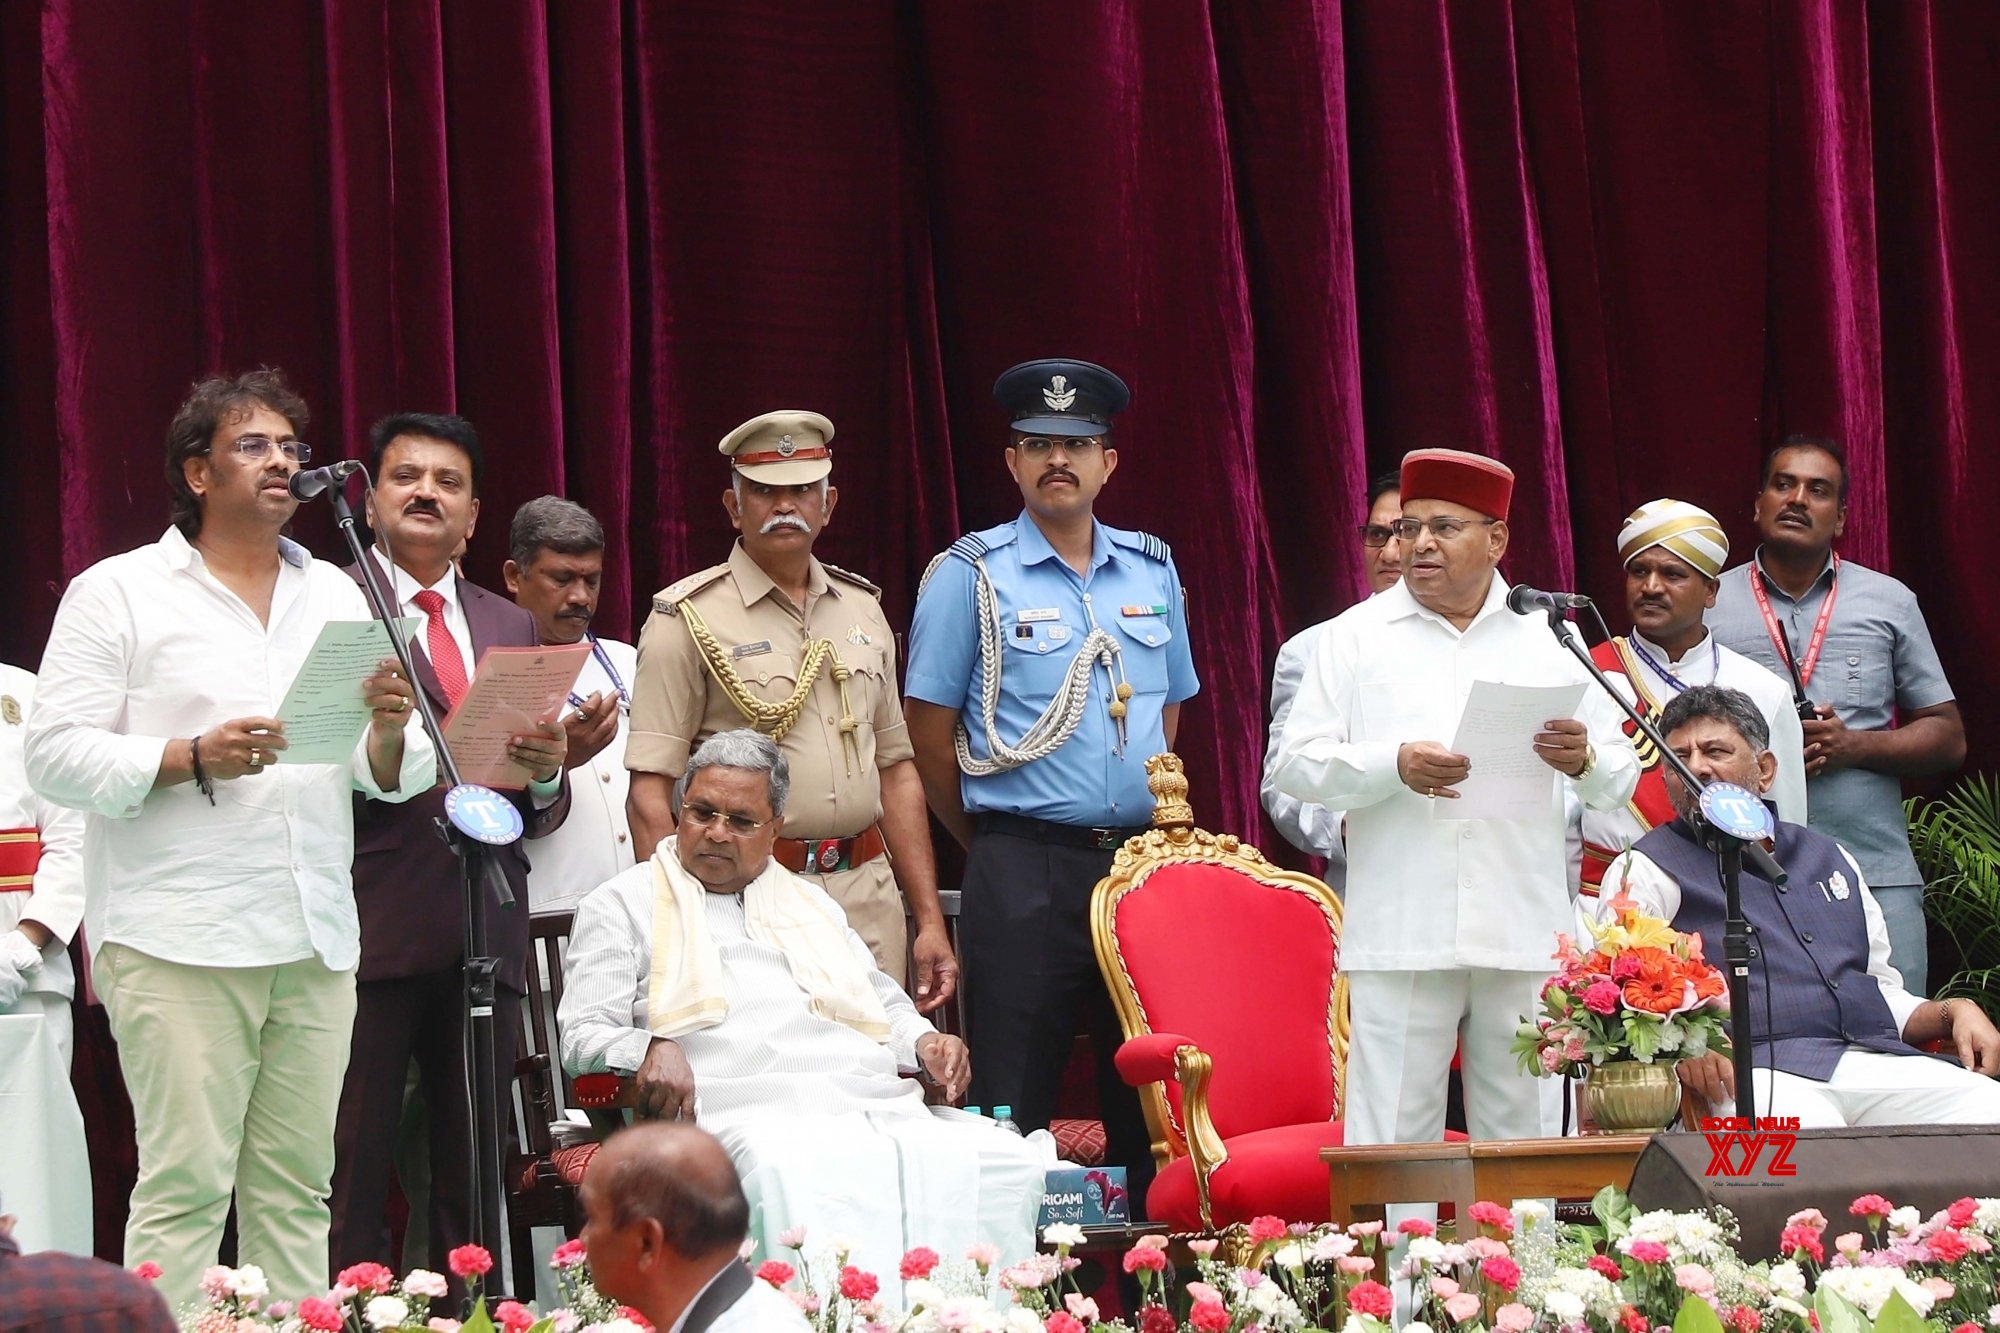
(1143, 641)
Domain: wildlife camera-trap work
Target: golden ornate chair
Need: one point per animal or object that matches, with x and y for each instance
(1225, 973)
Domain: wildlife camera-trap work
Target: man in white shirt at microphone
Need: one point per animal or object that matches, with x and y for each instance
(555, 571)
(1450, 922)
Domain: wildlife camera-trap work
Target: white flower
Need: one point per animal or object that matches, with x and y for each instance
(1020, 1319)
(1993, 1314)
(1426, 1249)
(386, 1312)
(1787, 1305)
(1333, 1245)
(1987, 1216)
(1905, 1219)
(1416, 1326)
(1268, 1298)
(423, 1282)
(1787, 1280)
(1869, 1289)
(248, 1283)
(1532, 1212)
(1065, 1235)
(841, 1246)
(921, 1292)
(1289, 1255)
(1565, 1306)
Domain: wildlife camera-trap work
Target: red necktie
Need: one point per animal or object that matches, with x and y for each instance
(446, 660)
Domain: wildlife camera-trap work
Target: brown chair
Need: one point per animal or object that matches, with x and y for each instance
(541, 1174)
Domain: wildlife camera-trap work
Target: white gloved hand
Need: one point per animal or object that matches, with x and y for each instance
(19, 961)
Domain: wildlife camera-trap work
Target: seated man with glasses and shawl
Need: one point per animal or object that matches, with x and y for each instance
(736, 995)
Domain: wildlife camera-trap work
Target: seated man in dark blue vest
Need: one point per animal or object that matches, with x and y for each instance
(1835, 1033)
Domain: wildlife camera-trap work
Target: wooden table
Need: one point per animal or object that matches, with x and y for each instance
(1360, 1180)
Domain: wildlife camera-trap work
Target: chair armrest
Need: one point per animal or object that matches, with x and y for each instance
(1149, 1058)
(531, 1064)
(597, 1092)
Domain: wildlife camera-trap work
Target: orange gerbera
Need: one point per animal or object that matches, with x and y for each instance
(1660, 987)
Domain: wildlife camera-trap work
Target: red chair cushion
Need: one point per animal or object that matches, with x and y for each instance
(1079, 1141)
(1274, 1171)
(571, 1162)
(1201, 943)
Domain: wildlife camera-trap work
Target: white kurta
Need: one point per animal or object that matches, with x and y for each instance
(1708, 663)
(1310, 828)
(823, 1128)
(594, 842)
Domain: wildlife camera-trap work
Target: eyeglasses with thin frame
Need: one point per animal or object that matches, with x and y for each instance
(1444, 529)
(1375, 535)
(260, 446)
(704, 816)
(1038, 447)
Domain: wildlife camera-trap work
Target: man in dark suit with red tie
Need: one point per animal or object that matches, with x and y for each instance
(407, 883)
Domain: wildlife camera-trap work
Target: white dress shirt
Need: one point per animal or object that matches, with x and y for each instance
(1425, 890)
(595, 840)
(1658, 894)
(407, 589)
(149, 648)
(56, 900)
(771, 1055)
(760, 1309)
(1311, 828)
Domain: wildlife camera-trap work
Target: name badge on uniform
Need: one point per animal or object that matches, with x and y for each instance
(1142, 610)
(756, 649)
(1058, 633)
(1045, 613)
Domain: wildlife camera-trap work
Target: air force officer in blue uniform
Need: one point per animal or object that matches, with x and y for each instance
(1048, 661)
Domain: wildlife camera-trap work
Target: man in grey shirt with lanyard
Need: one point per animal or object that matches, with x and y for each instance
(1855, 647)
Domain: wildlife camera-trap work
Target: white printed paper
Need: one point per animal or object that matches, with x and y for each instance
(1508, 779)
(325, 710)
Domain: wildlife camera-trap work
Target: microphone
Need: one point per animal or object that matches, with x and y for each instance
(1523, 600)
(309, 483)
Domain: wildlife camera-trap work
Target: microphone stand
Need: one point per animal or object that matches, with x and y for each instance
(476, 873)
(1737, 949)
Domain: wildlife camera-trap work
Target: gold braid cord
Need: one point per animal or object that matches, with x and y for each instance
(775, 719)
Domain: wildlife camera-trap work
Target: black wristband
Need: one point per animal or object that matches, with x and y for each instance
(201, 779)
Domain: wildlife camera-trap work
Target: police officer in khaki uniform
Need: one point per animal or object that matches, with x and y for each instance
(800, 651)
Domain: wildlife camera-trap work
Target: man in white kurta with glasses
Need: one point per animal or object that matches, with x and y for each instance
(734, 993)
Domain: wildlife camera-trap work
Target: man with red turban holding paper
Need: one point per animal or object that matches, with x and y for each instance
(1450, 921)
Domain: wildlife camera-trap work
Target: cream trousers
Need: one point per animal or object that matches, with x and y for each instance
(234, 1074)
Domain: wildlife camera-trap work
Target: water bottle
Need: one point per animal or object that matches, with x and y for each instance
(974, 1110)
(1003, 1116)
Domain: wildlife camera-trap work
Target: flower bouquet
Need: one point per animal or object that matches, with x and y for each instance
(1622, 1013)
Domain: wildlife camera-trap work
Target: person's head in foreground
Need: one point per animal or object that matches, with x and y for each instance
(664, 1212)
(1721, 736)
(1454, 528)
(731, 805)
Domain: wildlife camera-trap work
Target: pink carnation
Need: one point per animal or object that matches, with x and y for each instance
(1208, 1316)
(1443, 1288)
(1266, 1228)
(1363, 1230)
(1947, 1246)
(1502, 1272)
(1810, 1218)
(1695, 1280)
(1461, 1307)
(1486, 1247)
(316, 1312)
(1648, 1252)
(1513, 1317)
(1849, 1243)
(1603, 997)
(1798, 1240)
(1939, 1289)
(514, 1316)
(1355, 1263)
(1416, 1226)
(984, 1253)
(1745, 1320)
(366, 1277)
(918, 1263)
(857, 1285)
(568, 1254)
(1492, 1215)
(215, 1281)
(1153, 1261)
(1871, 1205)
(1372, 1298)
(1204, 1247)
(470, 1261)
(1060, 1322)
(1960, 1214)
(776, 1272)
(1624, 967)
(149, 1270)
(1606, 1265)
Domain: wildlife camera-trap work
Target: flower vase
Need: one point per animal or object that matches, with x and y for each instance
(1627, 1097)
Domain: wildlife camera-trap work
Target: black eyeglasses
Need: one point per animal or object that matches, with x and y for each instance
(1444, 529)
(703, 816)
(1375, 535)
(1039, 447)
(260, 446)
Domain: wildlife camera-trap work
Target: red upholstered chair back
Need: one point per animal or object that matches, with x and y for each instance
(1208, 940)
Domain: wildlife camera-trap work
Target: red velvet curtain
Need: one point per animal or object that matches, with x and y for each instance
(1622, 246)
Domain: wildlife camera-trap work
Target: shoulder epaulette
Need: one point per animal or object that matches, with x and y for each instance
(667, 601)
(974, 546)
(848, 576)
(1144, 542)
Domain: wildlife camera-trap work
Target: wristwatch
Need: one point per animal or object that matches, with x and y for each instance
(1589, 761)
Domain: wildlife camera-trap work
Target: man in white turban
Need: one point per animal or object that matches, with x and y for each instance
(1673, 552)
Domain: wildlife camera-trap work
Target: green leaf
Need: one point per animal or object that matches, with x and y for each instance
(1836, 1315)
(1614, 1210)
(1696, 1316)
(478, 1321)
(1899, 1317)
(542, 1325)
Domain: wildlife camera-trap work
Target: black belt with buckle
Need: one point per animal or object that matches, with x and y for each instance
(1066, 835)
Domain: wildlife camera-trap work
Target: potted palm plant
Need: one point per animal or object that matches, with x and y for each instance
(1956, 839)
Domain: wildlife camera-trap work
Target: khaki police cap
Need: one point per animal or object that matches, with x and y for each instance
(786, 448)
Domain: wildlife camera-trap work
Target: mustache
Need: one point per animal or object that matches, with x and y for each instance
(776, 521)
(578, 614)
(430, 507)
(1055, 472)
